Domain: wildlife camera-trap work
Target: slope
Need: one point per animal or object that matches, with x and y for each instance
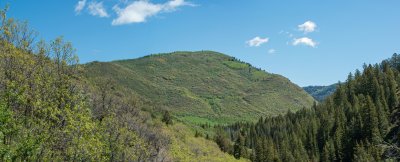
(320, 93)
(203, 87)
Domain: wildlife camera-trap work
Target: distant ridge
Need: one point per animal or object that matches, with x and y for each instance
(320, 93)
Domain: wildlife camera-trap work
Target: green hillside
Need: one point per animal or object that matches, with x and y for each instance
(320, 93)
(202, 87)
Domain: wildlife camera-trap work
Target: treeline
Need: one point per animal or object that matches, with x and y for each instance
(48, 112)
(359, 122)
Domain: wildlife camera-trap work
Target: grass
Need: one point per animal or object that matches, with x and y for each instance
(202, 87)
(196, 120)
(236, 65)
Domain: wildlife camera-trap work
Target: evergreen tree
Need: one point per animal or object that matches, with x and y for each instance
(371, 122)
(361, 155)
(167, 118)
(238, 149)
(259, 151)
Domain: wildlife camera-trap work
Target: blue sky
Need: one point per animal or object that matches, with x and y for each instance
(312, 42)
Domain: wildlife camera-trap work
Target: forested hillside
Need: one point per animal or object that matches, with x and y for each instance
(320, 93)
(202, 87)
(359, 122)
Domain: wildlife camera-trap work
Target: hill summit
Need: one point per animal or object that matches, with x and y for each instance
(203, 87)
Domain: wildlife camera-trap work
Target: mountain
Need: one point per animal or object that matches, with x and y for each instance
(320, 92)
(202, 87)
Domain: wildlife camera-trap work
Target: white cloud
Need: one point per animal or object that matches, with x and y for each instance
(135, 12)
(304, 41)
(97, 9)
(173, 4)
(139, 11)
(307, 27)
(257, 41)
(79, 6)
(271, 51)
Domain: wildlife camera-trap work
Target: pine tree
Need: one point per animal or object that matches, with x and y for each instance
(371, 122)
(392, 97)
(259, 150)
(238, 148)
(167, 118)
(361, 155)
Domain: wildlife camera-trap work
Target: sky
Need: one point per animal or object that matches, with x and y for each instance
(311, 42)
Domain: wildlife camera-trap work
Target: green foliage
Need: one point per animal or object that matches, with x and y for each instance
(238, 148)
(223, 142)
(7, 129)
(46, 108)
(361, 154)
(236, 65)
(186, 147)
(202, 87)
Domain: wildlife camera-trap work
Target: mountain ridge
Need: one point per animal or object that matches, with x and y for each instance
(320, 93)
(204, 86)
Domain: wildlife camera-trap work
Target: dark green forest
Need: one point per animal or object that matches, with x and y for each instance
(359, 122)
